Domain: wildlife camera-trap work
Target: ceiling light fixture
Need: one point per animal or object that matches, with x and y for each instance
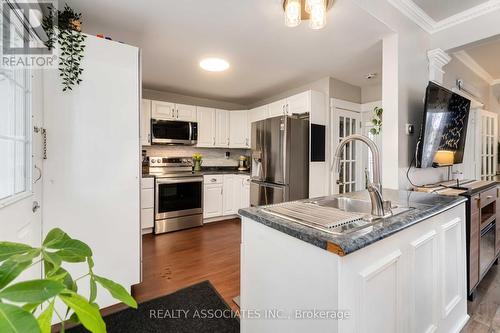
(312, 10)
(214, 64)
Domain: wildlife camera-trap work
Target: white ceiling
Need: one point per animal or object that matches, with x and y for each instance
(441, 9)
(266, 57)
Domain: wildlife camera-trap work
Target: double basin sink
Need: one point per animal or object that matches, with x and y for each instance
(336, 215)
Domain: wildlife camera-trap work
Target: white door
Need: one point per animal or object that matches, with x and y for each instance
(238, 129)
(185, 112)
(206, 127)
(163, 110)
(21, 159)
(350, 177)
(245, 192)
(489, 142)
(277, 108)
(299, 104)
(146, 122)
(221, 128)
(212, 200)
(231, 196)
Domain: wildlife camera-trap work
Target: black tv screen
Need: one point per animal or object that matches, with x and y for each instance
(444, 129)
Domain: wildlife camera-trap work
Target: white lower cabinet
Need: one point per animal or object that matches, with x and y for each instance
(224, 195)
(412, 281)
(212, 200)
(147, 204)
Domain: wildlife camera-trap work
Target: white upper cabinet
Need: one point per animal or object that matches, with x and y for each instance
(260, 113)
(145, 122)
(238, 129)
(163, 110)
(222, 128)
(298, 104)
(277, 108)
(206, 127)
(171, 111)
(185, 112)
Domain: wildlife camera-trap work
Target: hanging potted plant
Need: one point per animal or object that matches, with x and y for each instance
(377, 121)
(63, 29)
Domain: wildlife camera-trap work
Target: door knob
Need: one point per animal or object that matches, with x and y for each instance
(35, 207)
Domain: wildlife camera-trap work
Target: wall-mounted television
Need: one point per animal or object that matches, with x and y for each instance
(444, 128)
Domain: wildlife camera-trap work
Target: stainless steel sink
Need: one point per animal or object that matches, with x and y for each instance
(357, 206)
(337, 215)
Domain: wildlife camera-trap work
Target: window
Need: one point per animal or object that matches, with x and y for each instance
(15, 134)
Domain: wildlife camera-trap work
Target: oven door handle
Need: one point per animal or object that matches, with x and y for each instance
(179, 180)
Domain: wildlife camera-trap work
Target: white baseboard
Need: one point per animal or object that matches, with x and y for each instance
(220, 218)
(146, 231)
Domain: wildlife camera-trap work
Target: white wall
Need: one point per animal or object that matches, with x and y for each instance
(371, 93)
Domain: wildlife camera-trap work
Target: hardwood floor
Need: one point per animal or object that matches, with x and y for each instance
(485, 310)
(176, 260)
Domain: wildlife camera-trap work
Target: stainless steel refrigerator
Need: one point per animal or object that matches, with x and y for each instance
(280, 160)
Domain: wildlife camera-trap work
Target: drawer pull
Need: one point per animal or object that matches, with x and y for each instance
(489, 197)
(213, 180)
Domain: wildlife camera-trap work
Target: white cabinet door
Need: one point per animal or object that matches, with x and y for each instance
(222, 128)
(146, 122)
(298, 104)
(238, 129)
(212, 200)
(163, 110)
(245, 192)
(147, 218)
(185, 112)
(232, 192)
(277, 108)
(206, 127)
(260, 113)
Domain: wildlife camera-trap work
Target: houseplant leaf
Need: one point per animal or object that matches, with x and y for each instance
(16, 320)
(45, 318)
(54, 236)
(10, 270)
(117, 291)
(89, 316)
(34, 291)
(72, 246)
(9, 249)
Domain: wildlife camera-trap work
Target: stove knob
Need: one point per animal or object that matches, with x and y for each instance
(153, 161)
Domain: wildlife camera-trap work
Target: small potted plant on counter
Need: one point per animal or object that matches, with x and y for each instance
(197, 161)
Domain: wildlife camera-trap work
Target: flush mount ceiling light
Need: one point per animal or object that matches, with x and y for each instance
(312, 10)
(214, 64)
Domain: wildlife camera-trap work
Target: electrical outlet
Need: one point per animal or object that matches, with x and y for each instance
(410, 129)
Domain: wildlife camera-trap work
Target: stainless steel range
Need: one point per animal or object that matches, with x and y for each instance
(178, 196)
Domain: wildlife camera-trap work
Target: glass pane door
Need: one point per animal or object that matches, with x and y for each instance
(489, 130)
(350, 164)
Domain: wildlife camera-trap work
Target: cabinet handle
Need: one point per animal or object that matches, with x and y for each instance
(149, 137)
(213, 180)
(177, 113)
(214, 141)
(221, 190)
(489, 197)
(173, 113)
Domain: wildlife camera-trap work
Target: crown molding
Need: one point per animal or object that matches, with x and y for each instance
(495, 82)
(422, 19)
(468, 61)
(437, 60)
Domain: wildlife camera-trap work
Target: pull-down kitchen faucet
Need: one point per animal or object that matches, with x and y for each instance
(375, 187)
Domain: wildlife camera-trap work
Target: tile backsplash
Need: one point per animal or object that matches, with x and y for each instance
(211, 156)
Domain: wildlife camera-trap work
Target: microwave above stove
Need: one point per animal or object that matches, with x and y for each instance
(172, 132)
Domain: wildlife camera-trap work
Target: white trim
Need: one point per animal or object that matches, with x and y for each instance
(423, 20)
(437, 60)
(346, 105)
(468, 61)
(495, 82)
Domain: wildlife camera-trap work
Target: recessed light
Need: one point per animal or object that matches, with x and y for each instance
(214, 64)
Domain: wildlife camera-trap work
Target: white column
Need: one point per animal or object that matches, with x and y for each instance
(437, 60)
(390, 100)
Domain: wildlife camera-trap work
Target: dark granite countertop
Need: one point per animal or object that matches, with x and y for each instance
(212, 171)
(425, 205)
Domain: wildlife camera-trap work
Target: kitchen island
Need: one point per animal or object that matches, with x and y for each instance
(404, 273)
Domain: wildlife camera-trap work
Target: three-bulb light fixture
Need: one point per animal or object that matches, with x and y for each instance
(312, 10)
